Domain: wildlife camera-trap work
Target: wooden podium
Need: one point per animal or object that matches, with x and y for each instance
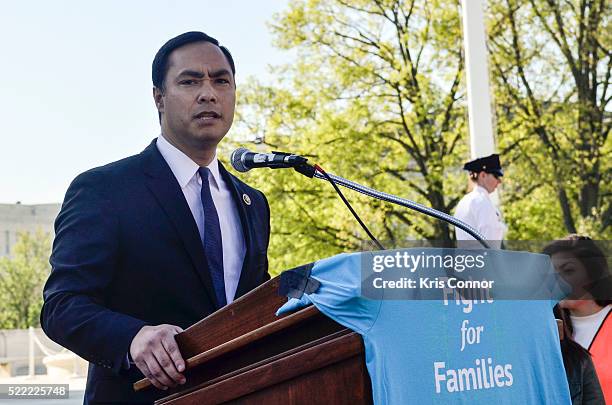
(245, 354)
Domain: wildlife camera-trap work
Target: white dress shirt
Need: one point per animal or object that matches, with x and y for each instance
(477, 209)
(585, 327)
(186, 172)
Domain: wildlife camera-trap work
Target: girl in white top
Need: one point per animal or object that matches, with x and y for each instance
(583, 265)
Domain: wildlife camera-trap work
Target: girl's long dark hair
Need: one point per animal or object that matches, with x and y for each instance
(594, 261)
(572, 352)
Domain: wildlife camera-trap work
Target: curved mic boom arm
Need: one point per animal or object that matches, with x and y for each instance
(279, 160)
(405, 203)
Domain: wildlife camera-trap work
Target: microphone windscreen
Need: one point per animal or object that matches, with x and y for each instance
(236, 160)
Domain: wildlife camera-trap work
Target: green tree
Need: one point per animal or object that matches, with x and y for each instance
(551, 64)
(375, 81)
(22, 276)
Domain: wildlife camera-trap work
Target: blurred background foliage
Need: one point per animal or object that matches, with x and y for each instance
(22, 276)
(378, 96)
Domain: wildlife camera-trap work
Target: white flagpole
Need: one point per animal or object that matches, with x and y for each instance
(478, 85)
(482, 141)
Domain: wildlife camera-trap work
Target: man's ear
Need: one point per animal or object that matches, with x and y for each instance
(158, 97)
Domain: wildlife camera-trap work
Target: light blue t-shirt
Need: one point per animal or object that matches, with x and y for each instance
(432, 352)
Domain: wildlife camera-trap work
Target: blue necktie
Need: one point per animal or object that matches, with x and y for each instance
(213, 246)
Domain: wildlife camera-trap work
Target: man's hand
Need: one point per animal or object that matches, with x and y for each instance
(157, 355)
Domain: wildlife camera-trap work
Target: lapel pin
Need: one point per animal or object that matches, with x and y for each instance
(246, 199)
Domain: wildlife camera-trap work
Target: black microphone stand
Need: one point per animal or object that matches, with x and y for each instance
(311, 171)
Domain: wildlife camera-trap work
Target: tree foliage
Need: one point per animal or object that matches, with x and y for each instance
(22, 276)
(376, 96)
(551, 61)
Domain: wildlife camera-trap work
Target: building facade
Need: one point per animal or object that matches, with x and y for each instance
(16, 218)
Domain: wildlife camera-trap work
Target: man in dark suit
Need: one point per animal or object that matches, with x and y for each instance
(153, 243)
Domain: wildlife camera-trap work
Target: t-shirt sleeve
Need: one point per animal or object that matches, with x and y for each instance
(339, 295)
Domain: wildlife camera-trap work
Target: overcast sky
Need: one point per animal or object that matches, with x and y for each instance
(75, 80)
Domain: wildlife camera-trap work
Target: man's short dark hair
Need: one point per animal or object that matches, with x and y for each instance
(160, 62)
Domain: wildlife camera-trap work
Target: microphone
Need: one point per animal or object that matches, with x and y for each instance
(244, 160)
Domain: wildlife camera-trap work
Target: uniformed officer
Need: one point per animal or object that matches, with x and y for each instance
(476, 207)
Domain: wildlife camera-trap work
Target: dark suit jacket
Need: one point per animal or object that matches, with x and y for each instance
(127, 253)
